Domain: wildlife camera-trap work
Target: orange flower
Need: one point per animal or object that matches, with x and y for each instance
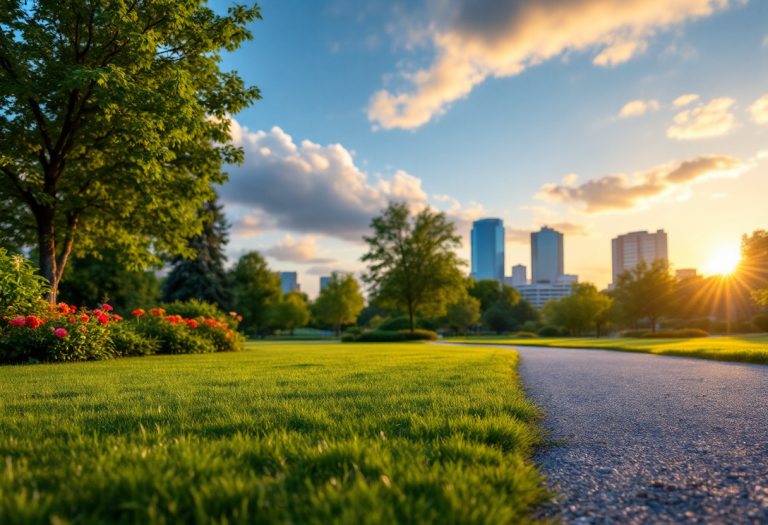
(84, 318)
(139, 312)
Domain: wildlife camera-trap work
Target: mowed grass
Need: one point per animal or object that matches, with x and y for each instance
(741, 349)
(281, 433)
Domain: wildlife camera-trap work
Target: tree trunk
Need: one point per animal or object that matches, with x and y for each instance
(338, 328)
(47, 245)
(653, 324)
(410, 315)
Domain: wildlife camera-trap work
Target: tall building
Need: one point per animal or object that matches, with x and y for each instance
(324, 282)
(488, 249)
(519, 275)
(685, 273)
(630, 249)
(289, 282)
(539, 293)
(547, 260)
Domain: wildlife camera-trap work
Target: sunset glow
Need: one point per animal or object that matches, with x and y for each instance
(724, 260)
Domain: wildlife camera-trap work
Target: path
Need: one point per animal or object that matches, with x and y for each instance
(652, 439)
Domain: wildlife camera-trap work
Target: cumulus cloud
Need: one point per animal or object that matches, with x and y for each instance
(251, 225)
(620, 192)
(298, 251)
(517, 235)
(759, 110)
(638, 107)
(712, 120)
(309, 188)
(684, 100)
(475, 39)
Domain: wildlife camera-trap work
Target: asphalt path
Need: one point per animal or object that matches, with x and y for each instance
(641, 438)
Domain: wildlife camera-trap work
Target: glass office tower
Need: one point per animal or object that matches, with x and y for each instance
(547, 261)
(488, 249)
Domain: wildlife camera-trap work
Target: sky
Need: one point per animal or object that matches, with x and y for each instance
(595, 117)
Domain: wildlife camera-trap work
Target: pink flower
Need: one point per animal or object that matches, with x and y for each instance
(60, 333)
(233, 314)
(106, 308)
(17, 321)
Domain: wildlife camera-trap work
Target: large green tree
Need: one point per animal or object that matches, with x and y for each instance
(647, 291)
(491, 291)
(291, 313)
(114, 124)
(203, 277)
(753, 267)
(340, 302)
(257, 288)
(583, 308)
(411, 261)
(463, 313)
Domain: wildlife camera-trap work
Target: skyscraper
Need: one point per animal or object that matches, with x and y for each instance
(324, 282)
(519, 275)
(488, 249)
(547, 261)
(289, 282)
(630, 249)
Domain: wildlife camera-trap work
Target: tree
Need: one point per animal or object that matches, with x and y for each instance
(411, 262)
(340, 302)
(490, 291)
(256, 289)
(524, 311)
(203, 277)
(500, 317)
(114, 124)
(753, 267)
(580, 310)
(647, 291)
(463, 313)
(86, 281)
(291, 313)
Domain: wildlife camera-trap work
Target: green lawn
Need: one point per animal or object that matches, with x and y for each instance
(742, 349)
(281, 433)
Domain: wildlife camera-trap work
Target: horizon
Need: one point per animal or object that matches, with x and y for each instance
(653, 117)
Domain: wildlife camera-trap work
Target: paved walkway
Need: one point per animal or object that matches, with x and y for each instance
(652, 439)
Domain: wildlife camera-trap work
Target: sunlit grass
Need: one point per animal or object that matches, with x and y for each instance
(280, 433)
(743, 349)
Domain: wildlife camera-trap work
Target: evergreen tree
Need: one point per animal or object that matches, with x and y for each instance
(203, 277)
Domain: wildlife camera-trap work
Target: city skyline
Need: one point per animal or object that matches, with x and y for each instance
(598, 137)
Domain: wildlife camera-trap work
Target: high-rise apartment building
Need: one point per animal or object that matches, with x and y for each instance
(630, 249)
(324, 282)
(547, 260)
(538, 294)
(519, 275)
(289, 282)
(488, 249)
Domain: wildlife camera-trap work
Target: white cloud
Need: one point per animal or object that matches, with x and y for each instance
(712, 120)
(441, 198)
(759, 110)
(620, 192)
(516, 235)
(684, 100)
(476, 39)
(301, 251)
(638, 107)
(251, 225)
(309, 188)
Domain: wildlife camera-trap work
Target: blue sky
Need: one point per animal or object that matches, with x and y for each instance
(495, 102)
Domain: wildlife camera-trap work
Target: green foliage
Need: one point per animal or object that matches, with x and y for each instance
(584, 308)
(523, 312)
(20, 286)
(127, 341)
(173, 338)
(646, 291)
(524, 334)
(753, 267)
(194, 309)
(633, 333)
(499, 317)
(87, 280)
(463, 313)
(549, 331)
(257, 288)
(107, 127)
(340, 302)
(375, 322)
(324, 433)
(531, 326)
(489, 292)
(760, 321)
(379, 336)
(291, 313)
(203, 277)
(677, 334)
(403, 323)
(412, 264)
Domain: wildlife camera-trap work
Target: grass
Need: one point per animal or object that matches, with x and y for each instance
(741, 349)
(281, 433)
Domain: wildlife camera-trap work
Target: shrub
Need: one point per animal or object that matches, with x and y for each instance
(129, 342)
(524, 334)
(21, 289)
(530, 326)
(676, 334)
(719, 327)
(633, 333)
(760, 322)
(354, 330)
(702, 324)
(173, 338)
(193, 309)
(57, 333)
(380, 336)
(549, 331)
(348, 338)
(403, 323)
(420, 335)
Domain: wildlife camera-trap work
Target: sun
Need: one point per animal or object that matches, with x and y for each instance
(724, 260)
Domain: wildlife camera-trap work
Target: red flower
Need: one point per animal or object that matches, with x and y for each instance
(139, 312)
(116, 317)
(17, 321)
(239, 318)
(106, 308)
(157, 312)
(233, 314)
(32, 322)
(63, 308)
(73, 308)
(191, 323)
(103, 318)
(60, 333)
(84, 318)
(72, 320)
